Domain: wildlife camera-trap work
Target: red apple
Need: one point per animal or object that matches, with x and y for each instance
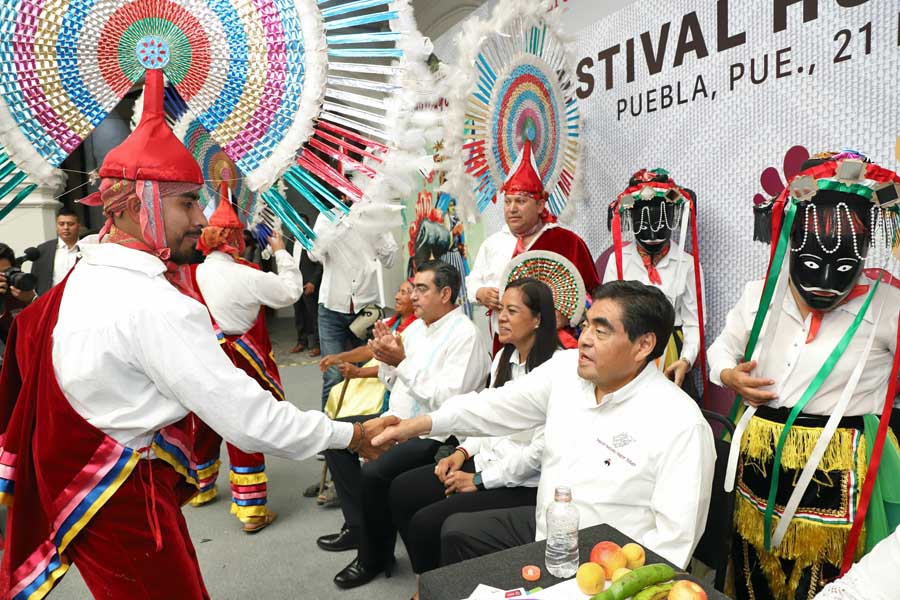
(610, 556)
(686, 590)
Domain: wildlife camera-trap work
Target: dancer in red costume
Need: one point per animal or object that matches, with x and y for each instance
(529, 226)
(105, 381)
(236, 293)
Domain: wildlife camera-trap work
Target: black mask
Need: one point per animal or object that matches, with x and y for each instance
(823, 279)
(652, 222)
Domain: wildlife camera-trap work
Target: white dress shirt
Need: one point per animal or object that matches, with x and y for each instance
(350, 275)
(875, 577)
(676, 270)
(444, 359)
(494, 254)
(234, 292)
(510, 460)
(786, 358)
(132, 354)
(641, 460)
(64, 259)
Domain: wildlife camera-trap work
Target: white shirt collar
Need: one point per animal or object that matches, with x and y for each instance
(220, 256)
(61, 245)
(117, 255)
(437, 325)
(629, 389)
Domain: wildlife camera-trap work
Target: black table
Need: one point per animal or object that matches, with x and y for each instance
(504, 569)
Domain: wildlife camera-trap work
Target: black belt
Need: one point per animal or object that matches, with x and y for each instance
(780, 415)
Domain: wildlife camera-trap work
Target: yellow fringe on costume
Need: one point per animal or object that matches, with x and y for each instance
(247, 478)
(206, 497)
(808, 542)
(761, 438)
(246, 513)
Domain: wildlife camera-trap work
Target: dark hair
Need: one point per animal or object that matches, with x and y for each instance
(445, 275)
(7, 253)
(65, 211)
(539, 299)
(645, 309)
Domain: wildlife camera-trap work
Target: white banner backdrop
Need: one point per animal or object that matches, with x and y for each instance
(717, 91)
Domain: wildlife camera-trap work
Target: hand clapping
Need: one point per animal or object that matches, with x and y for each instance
(386, 346)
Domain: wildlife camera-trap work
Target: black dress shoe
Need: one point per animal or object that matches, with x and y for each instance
(356, 574)
(347, 539)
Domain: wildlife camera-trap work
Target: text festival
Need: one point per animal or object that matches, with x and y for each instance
(669, 45)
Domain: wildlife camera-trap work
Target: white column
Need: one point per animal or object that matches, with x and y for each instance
(32, 221)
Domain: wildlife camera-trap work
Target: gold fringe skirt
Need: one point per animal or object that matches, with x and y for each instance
(811, 551)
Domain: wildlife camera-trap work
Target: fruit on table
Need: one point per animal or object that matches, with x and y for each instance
(686, 590)
(636, 581)
(590, 578)
(620, 573)
(659, 591)
(609, 555)
(634, 555)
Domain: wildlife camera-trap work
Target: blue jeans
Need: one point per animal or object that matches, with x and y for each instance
(334, 337)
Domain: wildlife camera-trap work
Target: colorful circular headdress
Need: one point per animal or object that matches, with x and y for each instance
(515, 84)
(218, 168)
(558, 272)
(273, 91)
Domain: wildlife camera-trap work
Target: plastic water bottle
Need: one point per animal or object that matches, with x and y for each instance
(562, 535)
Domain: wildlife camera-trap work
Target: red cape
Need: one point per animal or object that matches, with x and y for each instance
(569, 244)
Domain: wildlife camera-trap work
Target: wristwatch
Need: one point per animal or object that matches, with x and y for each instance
(477, 481)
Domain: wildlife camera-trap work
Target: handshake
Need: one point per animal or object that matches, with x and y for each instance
(374, 437)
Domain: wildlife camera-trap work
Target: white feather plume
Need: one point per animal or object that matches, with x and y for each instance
(460, 84)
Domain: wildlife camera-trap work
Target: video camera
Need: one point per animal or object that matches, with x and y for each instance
(16, 278)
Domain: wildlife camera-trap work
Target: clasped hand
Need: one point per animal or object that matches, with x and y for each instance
(372, 429)
(448, 472)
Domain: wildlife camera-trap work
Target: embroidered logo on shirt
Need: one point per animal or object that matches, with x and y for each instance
(621, 440)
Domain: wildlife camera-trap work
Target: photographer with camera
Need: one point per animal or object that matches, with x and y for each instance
(16, 288)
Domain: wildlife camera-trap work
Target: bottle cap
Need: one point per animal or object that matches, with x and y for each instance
(563, 494)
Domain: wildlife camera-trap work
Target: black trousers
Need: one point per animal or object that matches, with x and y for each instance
(377, 534)
(466, 536)
(420, 508)
(306, 320)
(345, 473)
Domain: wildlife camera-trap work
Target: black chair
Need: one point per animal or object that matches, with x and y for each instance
(714, 548)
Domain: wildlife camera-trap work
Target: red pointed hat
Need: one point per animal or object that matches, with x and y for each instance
(224, 215)
(152, 152)
(525, 178)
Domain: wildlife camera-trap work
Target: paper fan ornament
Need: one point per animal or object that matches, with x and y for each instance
(217, 168)
(514, 84)
(558, 272)
(263, 77)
